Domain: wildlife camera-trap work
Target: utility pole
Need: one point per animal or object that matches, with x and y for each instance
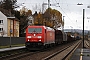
(83, 26)
(48, 9)
(63, 29)
(42, 7)
(63, 21)
(48, 3)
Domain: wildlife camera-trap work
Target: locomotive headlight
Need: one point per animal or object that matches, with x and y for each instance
(28, 36)
(28, 39)
(39, 40)
(39, 37)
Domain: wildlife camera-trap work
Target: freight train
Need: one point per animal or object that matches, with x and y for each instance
(42, 36)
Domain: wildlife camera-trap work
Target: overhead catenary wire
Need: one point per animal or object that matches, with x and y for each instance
(55, 1)
(65, 13)
(70, 11)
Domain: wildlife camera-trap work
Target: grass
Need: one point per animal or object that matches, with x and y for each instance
(8, 46)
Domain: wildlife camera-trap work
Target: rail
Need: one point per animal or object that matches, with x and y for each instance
(61, 51)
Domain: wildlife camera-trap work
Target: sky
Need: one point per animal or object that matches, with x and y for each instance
(73, 13)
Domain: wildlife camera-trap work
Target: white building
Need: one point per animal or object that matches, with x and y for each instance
(3, 24)
(7, 24)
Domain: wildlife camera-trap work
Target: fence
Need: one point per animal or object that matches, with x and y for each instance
(14, 40)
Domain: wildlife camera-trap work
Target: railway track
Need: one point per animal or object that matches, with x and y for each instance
(16, 57)
(65, 52)
(39, 55)
(9, 53)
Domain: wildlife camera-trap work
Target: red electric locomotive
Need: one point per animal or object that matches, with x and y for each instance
(39, 36)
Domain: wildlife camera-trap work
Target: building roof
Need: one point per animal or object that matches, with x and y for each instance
(8, 14)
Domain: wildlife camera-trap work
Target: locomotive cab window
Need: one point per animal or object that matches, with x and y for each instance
(35, 30)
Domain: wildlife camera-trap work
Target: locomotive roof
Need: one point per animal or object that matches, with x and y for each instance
(43, 26)
(49, 28)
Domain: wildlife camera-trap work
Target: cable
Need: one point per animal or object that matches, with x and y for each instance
(64, 12)
(70, 11)
(67, 15)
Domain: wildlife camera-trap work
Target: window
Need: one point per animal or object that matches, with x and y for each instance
(17, 23)
(1, 29)
(30, 21)
(11, 22)
(1, 21)
(35, 30)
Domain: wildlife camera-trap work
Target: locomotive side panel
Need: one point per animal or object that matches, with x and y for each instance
(50, 36)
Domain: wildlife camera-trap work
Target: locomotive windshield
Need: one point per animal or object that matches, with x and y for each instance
(34, 30)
